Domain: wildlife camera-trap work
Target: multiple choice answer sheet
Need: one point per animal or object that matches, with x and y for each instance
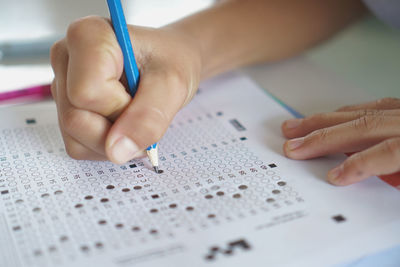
(226, 195)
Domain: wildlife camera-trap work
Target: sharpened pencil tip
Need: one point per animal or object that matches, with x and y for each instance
(156, 169)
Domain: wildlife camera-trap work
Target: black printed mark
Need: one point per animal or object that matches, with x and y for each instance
(119, 226)
(272, 165)
(153, 231)
(135, 228)
(137, 187)
(160, 171)
(16, 228)
(153, 210)
(189, 208)
(155, 196)
(99, 245)
(37, 209)
(243, 138)
(242, 187)
(78, 206)
(276, 192)
(102, 222)
(30, 121)
(125, 190)
(104, 200)
(4, 192)
(88, 197)
(173, 206)
(339, 218)
(241, 243)
(84, 248)
(63, 238)
(237, 125)
(132, 166)
(228, 250)
(220, 113)
(237, 195)
(109, 187)
(281, 183)
(270, 200)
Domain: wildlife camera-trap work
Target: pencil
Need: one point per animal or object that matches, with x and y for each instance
(130, 66)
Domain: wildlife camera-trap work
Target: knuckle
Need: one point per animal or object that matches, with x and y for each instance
(385, 101)
(81, 96)
(81, 27)
(72, 120)
(321, 135)
(56, 50)
(75, 150)
(369, 113)
(368, 123)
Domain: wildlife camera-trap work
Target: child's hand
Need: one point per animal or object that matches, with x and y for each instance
(97, 117)
(371, 128)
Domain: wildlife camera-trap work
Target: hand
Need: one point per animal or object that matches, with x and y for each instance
(98, 118)
(371, 130)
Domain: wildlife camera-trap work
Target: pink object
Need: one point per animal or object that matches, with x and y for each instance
(36, 92)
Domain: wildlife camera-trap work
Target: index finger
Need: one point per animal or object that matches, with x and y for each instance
(95, 68)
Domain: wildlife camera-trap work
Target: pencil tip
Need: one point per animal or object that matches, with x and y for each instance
(156, 169)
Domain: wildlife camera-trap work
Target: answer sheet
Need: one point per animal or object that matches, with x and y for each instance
(226, 197)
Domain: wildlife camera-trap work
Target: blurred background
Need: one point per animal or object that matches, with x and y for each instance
(38, 18)
(359, 64)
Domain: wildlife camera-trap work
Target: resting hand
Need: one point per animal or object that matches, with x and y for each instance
(97, 117)
(371, 130)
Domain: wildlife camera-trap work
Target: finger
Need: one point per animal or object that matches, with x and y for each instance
(381, 159)
(77, 150)
(346, 137)
(300, 127)
(95, 68)
(384, 103)
(159, 97)
(77, 126)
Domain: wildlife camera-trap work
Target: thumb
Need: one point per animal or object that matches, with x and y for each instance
(147, 117)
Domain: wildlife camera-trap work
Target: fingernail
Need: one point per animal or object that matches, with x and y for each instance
(295, 143)
(292, 123)
(335, 174)
(123, 149)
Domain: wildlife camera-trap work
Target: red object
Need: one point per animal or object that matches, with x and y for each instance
(36, 92)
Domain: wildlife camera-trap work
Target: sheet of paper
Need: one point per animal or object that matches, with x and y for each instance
(226, 197)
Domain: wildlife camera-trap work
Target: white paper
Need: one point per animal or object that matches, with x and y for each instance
(227, 197)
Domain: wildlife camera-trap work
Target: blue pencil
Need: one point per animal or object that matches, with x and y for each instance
(130, 66)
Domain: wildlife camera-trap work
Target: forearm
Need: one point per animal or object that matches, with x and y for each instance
(241, 32)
